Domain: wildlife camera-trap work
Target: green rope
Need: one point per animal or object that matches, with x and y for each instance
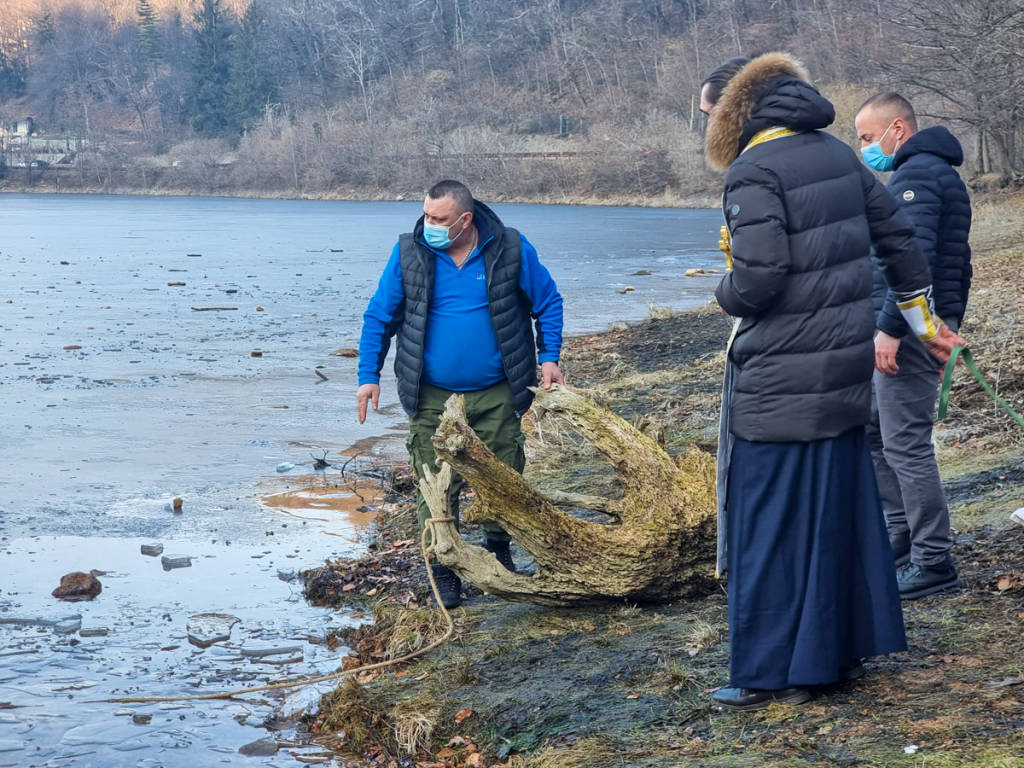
(947, 381)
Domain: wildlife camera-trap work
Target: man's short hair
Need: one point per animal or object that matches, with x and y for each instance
(721, 76)
(456, 190)
(892, 103)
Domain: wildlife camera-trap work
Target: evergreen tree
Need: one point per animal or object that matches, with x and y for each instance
(45, 30)
(12, 77)
(149, 35)
(207, 95)
(252, 84)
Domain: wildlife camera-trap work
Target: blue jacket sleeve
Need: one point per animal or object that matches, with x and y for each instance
(545, 303)
(381, 321)
(919, 196)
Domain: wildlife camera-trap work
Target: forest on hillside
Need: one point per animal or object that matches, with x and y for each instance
(524, 99)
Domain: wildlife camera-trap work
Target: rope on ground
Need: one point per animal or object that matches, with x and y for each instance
(427, 541)
(947, 382)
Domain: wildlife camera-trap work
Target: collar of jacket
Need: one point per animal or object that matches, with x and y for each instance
(769, 134)
(937, 141)
(736, 106)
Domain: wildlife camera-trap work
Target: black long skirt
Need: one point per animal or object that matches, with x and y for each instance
(812, 586)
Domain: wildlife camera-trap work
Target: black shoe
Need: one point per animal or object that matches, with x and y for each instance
(449, 585)
(900, 544)
(501, 551)
(916, 581)
(854, 671)
(744, 699)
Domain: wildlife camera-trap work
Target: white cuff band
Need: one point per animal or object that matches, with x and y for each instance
(919, 315)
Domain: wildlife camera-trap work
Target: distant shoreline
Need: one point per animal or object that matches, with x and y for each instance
(693, 202)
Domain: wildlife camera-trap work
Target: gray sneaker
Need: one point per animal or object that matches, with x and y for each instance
(916, 581)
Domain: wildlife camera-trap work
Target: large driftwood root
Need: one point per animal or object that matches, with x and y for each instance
(662, 547)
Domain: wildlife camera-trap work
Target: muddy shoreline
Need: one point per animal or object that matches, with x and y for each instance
(352, 195)
(627, 686)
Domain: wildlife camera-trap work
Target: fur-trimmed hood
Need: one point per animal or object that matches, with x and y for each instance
(771, 90)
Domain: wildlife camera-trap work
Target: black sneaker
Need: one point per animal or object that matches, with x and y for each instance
(744, 699)
(900, 543)
(916, 581)
(502, 552)
(449, 585)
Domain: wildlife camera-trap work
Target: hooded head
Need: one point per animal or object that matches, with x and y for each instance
(769, 90)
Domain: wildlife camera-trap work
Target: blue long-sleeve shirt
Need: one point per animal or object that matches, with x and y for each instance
(461, 351)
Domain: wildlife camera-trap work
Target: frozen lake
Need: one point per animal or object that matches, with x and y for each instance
(118, 396)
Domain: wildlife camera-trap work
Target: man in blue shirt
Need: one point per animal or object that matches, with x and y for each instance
(463, 295)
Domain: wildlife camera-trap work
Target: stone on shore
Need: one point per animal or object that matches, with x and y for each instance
(78, 586)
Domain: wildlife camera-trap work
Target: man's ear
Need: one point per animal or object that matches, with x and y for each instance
(900, 129)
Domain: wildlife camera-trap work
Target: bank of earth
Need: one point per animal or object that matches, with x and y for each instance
(628, 685)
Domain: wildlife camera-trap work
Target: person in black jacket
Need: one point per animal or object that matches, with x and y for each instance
(812, 587)
(932, 195)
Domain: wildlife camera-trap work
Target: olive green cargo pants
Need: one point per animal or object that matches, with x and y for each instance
(492, 416)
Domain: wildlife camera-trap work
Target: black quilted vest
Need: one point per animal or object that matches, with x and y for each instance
(510, 309)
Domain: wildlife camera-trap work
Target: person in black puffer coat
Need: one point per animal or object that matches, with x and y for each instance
(812, 587)
(930, 192)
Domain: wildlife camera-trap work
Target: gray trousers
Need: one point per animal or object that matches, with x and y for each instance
(900, 434)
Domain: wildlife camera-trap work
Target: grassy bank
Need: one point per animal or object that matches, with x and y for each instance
(625, 685)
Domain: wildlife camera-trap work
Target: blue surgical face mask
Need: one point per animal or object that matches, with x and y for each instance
(438, 235)
(875, 158)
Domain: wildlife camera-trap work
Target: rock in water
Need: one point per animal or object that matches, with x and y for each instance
(261, 748)
(78, 586)
(154, 549)
(176, 504)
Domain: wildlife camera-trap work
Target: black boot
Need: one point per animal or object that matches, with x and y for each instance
(900, 543)
(449, 585)
(916, 581)
(502, 552)
(743, 699)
